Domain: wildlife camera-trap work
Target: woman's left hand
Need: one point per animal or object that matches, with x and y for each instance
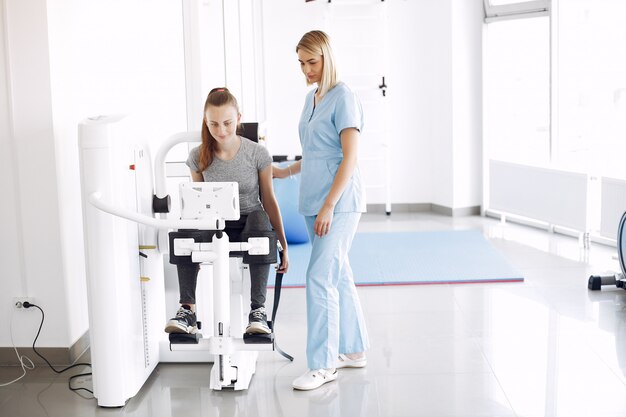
(284, 263)
(323, 221)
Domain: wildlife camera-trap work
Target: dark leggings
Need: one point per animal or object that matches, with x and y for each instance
(256, 221)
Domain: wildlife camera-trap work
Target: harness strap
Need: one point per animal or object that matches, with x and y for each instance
(277, 287)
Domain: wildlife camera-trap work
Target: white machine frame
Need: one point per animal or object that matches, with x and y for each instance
(124, 260)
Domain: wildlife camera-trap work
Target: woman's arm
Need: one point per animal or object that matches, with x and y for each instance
(292, 169)
(270, 204)
(196, 176)
(350, 146)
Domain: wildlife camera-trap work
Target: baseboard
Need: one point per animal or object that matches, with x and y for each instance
(457, 212)
(57, 356)
(399, 208)
(425, 207)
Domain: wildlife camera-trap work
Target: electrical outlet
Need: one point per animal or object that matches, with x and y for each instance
(18, 302)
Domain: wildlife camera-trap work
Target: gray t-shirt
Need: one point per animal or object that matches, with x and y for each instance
(244, 168)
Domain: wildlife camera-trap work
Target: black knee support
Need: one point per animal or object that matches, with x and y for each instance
(199, 236)
(271, 257)
(203, 236)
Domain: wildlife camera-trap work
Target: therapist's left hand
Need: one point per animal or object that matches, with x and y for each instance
(323, 221)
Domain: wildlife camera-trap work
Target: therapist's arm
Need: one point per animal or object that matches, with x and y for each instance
(286, 172)
(350, 147)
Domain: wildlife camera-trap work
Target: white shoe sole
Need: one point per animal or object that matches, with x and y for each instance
(308, 384)
(346, 362)
(177, 327)
(257, 328)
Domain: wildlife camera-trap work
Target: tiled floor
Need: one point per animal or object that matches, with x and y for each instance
(544, 347)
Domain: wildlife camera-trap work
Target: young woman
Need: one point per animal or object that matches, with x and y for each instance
(225, 156)
(331, 199)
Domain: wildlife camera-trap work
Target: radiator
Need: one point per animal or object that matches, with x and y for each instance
(548, 195)
(613, 205)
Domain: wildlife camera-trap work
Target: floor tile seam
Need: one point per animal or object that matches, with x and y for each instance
(495, 376)
(379, 374)
(614, 370)
(548, 252)
(468, 311)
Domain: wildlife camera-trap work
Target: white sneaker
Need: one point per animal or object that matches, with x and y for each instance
(345, 362)
(315, 378)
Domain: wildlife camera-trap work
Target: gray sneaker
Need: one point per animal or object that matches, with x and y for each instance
(184, 322)
(257, 322)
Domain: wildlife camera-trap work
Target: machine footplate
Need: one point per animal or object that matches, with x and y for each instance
(185, 338)
(255, 338)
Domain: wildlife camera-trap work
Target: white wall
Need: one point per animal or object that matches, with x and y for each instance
(433, 88)
(224, 47)
(11, 253)
(34, 186)
(12, 262)
(284, 22)
(467, 30)
(434, 93)
(67, 60)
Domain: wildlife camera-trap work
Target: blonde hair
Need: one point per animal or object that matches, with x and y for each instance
(317, 42)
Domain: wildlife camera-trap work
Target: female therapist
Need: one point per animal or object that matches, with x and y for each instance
(332, 199)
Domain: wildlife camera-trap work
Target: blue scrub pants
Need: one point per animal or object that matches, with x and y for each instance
(335, 321)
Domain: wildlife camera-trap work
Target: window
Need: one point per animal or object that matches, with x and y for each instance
(590, 115)
(517, 91)
(514, 9)
(583, 72)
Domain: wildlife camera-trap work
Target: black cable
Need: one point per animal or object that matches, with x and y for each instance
(69, 382)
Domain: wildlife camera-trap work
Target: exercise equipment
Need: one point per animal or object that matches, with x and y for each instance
(126, 235)
(619, 279)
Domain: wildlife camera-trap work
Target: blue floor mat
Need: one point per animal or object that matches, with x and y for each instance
(434, 257)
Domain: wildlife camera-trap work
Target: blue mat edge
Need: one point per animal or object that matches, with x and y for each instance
(403, 283)
(518, 279)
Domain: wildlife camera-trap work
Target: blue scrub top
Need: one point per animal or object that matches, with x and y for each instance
(320, 127)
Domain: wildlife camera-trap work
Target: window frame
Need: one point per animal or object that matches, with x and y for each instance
(519, 10)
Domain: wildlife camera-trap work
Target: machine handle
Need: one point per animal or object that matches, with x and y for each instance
(206, 224)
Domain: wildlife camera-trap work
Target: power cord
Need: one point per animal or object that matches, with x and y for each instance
(69, 382)
(21, 358)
